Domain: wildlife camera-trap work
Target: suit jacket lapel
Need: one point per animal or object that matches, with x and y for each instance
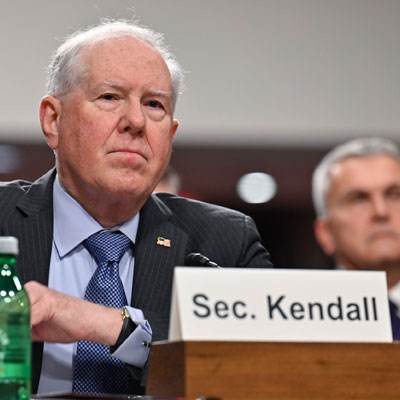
(154, 263)
(34, 229)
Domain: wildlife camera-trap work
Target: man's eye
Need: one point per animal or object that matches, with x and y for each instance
(108, 97)
(357, 198)
(154, 104)
(393, 193)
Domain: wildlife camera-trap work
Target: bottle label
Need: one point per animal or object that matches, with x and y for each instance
(14, 370)
(15, 346)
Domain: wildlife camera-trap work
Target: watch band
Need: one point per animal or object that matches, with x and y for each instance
(128, 326)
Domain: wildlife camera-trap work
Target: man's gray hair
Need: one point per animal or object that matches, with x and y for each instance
(66, 71)
(321, 179)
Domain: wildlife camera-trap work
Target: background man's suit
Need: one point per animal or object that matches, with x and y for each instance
(227, 237)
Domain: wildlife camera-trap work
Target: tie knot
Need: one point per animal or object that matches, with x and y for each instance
(107, 246)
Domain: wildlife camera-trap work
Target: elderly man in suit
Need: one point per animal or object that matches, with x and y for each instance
(356, 193)
(97, 249)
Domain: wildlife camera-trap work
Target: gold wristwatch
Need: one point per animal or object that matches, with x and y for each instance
(128, 326)
(124, 313)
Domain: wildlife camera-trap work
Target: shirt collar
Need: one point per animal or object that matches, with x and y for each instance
(73, 224)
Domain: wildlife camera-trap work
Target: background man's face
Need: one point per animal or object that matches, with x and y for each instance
(362, 229)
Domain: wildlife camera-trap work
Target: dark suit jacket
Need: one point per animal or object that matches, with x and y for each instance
(225, 236)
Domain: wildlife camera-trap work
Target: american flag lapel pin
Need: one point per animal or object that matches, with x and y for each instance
(163, 242)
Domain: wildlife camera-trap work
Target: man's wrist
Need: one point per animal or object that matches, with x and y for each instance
(128, 326)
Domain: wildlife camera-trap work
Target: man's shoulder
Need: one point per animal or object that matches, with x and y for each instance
(183, 207)
(190, 213)
(26, 197)
(10, 194)
(42, 186)
(17, 188)
(226, 236)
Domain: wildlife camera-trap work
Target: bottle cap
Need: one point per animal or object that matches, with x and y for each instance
(8, 245)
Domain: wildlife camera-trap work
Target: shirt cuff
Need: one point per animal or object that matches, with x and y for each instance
(136, 347)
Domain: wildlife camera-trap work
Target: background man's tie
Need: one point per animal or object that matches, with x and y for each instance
(395, 321)
(95, 370)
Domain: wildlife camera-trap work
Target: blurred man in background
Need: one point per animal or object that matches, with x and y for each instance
(356, 194)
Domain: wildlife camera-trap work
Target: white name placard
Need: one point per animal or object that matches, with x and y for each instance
(279, 305)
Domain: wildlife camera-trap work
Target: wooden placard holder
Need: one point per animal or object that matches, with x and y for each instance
(275, 370)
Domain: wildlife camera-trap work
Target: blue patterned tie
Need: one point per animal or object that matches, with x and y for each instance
(95, 370)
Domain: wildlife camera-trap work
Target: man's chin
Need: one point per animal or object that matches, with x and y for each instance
(121, 192)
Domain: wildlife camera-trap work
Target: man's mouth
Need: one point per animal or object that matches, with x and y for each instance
(128, 152)
(383, 234)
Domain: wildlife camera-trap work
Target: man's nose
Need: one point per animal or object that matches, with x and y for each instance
(380, 207)
(133, 118)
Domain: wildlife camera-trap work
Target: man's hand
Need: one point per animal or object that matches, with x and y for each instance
(60, 318)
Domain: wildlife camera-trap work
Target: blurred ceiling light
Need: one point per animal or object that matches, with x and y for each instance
(10, 158)
(256, 187)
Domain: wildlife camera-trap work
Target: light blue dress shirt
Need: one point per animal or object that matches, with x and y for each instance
(71, 268)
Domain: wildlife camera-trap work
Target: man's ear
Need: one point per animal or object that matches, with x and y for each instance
(50, 111)
(324, 236)
(175, 124)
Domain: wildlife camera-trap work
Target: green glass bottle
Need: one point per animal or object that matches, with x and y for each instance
(15, 333)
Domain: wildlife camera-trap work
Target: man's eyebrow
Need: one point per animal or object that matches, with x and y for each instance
(393, 186)
(107, 82)
(159, 93)
(121, 86)
(353, 191)
(356, 191)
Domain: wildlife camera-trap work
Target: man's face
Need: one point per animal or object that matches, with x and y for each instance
(362, 229)
(114, 132)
